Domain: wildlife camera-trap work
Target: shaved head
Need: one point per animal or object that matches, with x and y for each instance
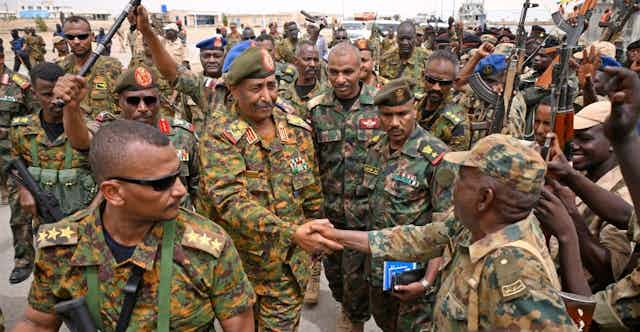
(343, 49)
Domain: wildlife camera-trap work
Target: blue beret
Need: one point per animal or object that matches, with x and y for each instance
(215, 42)
(609, 62)
(233, 53)
(491, 65)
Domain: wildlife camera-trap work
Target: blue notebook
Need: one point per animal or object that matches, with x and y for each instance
(393, 267)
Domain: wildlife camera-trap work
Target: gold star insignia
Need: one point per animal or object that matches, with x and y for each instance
(192, 236)
(53, 234)
(205, 240)
(427, 149)
(67, 232)
(216, 244)
(42, 236)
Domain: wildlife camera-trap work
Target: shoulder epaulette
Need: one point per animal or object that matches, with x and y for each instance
(20, 121)
(235, 130)
(201, 239)
(452, 116)
(298, 122)
(373, 141)
(315, 101)
(59, 234)
(433, 153)
(21, 81)
(182, 124)
(285, 107)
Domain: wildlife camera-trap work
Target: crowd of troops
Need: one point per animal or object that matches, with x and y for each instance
(295, 155)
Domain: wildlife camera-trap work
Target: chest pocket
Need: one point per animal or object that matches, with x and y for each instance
(8, 109)
(367, 127)
(329, 135)
(452, 308)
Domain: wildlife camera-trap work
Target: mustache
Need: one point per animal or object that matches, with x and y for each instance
(261, 104)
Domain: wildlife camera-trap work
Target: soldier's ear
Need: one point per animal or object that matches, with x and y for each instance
(485, 200)
(113, 192)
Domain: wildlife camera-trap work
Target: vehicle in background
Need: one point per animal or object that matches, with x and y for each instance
(357, 29)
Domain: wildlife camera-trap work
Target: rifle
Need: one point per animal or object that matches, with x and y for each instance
(46, 203)
(75, 315)
(502, 103)
(617, 21)
(133, 4)
(314, 19)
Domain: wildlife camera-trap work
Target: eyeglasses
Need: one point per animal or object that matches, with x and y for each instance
(135, 100)
(82, 36)
(434, 80)
(161, 184)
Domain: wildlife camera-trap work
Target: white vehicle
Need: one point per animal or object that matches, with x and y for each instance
(357, 29)
(386, 25)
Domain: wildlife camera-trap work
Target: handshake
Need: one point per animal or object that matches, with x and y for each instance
(317, 236)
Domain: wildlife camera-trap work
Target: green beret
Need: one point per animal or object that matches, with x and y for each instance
(395, 93)
(136, 78)
(254, 62)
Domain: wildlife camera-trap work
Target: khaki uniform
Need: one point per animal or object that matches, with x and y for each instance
(232, 39)
(176, 49)
(206, 281)
(101, 80)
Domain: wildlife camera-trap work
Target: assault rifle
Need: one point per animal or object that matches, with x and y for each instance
(322, 21)
(75, 315)
(502, 103)
(46, 203)
(624, 10)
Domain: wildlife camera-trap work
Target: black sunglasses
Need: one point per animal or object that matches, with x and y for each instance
(434, 80)
(161, 184)
(82, 36)
(135, 100)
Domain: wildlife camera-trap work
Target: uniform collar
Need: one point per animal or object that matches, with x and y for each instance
(367, 93)
(518, 231)
(36, 129)
(92, 248)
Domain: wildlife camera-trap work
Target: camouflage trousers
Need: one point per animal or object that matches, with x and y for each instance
(393, 315)
(345, 271)
(22, 229)
(279, 313)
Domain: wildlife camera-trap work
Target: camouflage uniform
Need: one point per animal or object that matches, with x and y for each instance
(285, 51)
(505, 279)
(402, 190)
(37, 49)
(388, 44)
(207, 281)
(176, 49)
(340, 138)
(287, 91)
(450, 124)
(56, 167)
(261, 191)
(15, 98)
(208, 93)
(392, 68)
(232, 39)
(100, 79)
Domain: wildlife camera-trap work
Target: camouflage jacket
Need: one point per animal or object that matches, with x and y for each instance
(101, 81)
(285, 51)
(208, 93)
(479, 111)
(391, 68)
(288, 93)
(207, 280)
(340, 139)
(37, 47)
(450, 124)
(15, 98)
(401, 186)
(513, 287)
(261, 191)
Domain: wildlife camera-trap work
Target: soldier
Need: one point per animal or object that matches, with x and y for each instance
(102, 75)
(15, 98)
(497, 273)
(285, 49)
(61, 48)
(234, 36)
(35, 46)
(248, 34)
(368, 74)
(51, 143)
(400, 182)
(633, 56)
(260, 179)
(438, 114)
(306, 85)
(403, 61)
(203, 88)
(344, 120)
(139, 100)
(389, 42)
(21, 57)
(187, 265)
(273, 31)
(542, 123)
(174, 45)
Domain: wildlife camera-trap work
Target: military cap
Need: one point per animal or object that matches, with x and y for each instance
(606, 61)
(504, 49)
(58, 39)
(363, 44)
(136, 78)
(634, 45)
(592, 115)
(506, 159)
(419, 30)
(233, 53)
(602, 47)
(254, 62)
(216, 42)
(491, 65)
(171, 26)
(487, 38)
(395, 93)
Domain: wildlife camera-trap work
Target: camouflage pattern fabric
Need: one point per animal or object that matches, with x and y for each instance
(285, 51)
(208, 93)
(391, 66)
(402, 190)
(513, 289)
(101, 81)
(287, 91)
(449, 123)
(388, 44)
(341, 137)
(37, 49)
(260, 190)
(207, 280)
